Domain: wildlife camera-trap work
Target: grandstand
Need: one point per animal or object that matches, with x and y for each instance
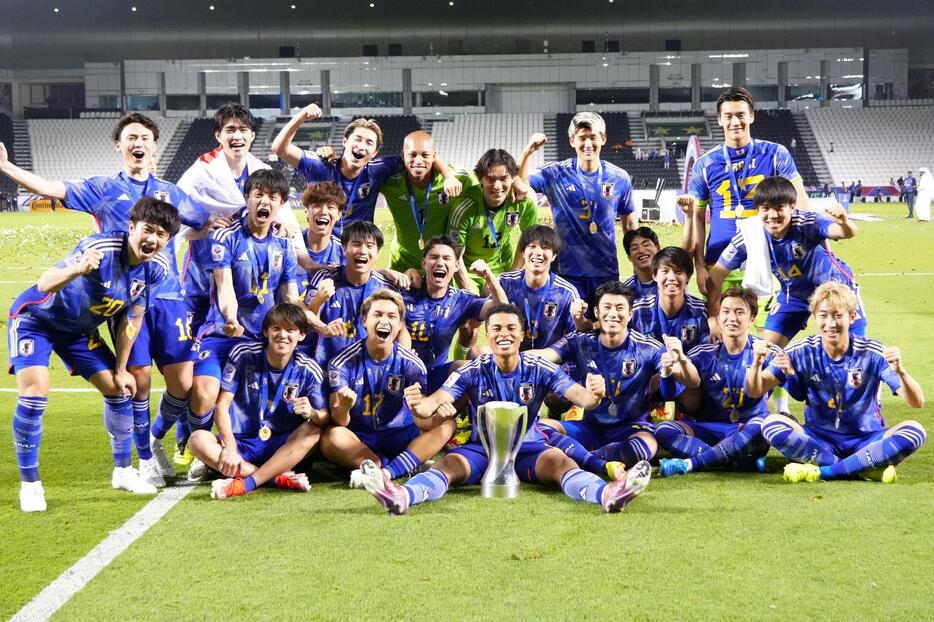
(7, 138)
(465, 138)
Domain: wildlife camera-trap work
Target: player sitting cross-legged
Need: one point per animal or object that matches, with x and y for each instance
(505, 375)
(270, 410)
(106, 273)
(839, 375)
(367, 380)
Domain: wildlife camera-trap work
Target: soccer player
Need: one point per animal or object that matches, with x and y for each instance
(358, 171)
(270, 410)
(640, 245)
(505, 375)
(839, 375)
(367, 381)
(166, 334)
(552, 305)
(436, 311)
(723, 423)
(587, 196)
(324, 202)
(106, 274)
(251, 268)
(725, 179)
(485, 218)
(799, 257)
(337, 294)
(672, 312)
(618, 430)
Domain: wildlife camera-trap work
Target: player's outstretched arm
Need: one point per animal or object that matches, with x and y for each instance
(760, 381)
(536, 141)
(549, 354)
(714, 284)
(910, 391)
(30, 181)
(282, 144)
(497, 293)
(127, 329)
(590, 395)
(229, 460)
(227, 302)
(687, 204)
(582, 323)
(452, 185)
(440, 403)
(700, 235)
(56, 278)
(682, 369)
(842, 228)
(340, 402)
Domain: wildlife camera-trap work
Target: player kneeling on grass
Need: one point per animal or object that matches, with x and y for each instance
(505, 375)
(723, 423)
(368, 380)
(105, 274)
(270, 410)
(839, 375)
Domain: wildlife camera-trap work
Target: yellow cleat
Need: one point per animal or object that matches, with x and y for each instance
(576, 413)
(183, 456)
(615, 470)
(796, 472)
(886, 475)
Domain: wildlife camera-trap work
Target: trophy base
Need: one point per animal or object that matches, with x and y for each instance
(499, 491)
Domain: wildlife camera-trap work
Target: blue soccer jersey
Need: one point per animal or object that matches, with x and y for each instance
(547, 309)
(585, 208)
(433, 322)
(109, 200)
(712, 185)
(263, 395)
(627, 371)
(89, 300)
(689, 324)
(801, 260)
(841, 396)
(482, 381)
(723, 383)
(379, 385)
(641, 289)
(346, 305)
(332, 255)
(258, 268)
(361, 191)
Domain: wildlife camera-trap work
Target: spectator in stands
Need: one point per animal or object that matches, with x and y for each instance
(666, 161)
(911, 189)
(826, 192)
(793, 145)
(638, 153)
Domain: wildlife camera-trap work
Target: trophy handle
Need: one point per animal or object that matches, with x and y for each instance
(481, 422)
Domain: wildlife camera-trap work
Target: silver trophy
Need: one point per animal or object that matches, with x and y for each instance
(501, 427)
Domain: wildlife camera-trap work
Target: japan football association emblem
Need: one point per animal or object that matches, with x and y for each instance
(291, 391)
(443, 198)
(364, 191)
(688, 333)
(512, 219)
(854, 378)
(797, 251)
(333, 377)
(161, 195)
(526, 392)
(550, 311)
(203, 354)
(394, 383)
(217, 252)
(606, 191)
(136, 287)
(277, 261)
(629, 368)
(229, 371)
(26, 347)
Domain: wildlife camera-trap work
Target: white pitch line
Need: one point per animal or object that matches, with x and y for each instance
(70, 582)
(859, 274)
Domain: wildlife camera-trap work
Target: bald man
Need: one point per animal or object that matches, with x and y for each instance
(417, 201)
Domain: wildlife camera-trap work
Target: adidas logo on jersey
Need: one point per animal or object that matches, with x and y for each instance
(816, 379)
(106, 283)
(715, 378)
(123, 197)
(335, 304)
(487, 393)
(243, 257)
(254, 386)
(570, 188)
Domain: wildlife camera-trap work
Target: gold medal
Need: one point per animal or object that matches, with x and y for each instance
(260, 298)
(734, 415)
(421, 244)
(593, 228)
(130, 329)
(265, 433)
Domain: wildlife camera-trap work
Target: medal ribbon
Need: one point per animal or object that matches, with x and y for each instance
(371, 382)
(734, 184)
(267, 406)
(581, 178)
(533, 325)
(489, 222)
(339, 178)
(735, 390)
(254, 262)
(500, 390)
(603, 355)
(419, 223)
(835, 384)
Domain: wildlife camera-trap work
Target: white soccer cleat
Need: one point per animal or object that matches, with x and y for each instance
(31, 497)
(357, 479)
(198, 471)
(166, 470)
(149, 471)
(127, 478)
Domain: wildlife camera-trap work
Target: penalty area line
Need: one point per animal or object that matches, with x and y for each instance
(44, 605)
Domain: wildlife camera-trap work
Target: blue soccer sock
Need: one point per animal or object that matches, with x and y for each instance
(628, 452)
(428, 486)
(249, 484)
(171, 411)
(141, 428)
(796, 445)
(200, 422)
(118, 419)
(731, 448)
(583, 486)
(576, 452)
(890, 450)
(406, 462)
(673, 437)
(27, 434)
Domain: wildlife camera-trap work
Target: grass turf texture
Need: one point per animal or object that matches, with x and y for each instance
(703, 546)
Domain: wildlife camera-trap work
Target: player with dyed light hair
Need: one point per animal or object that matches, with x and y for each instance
(505, 375)
(113, 274)
(839, 375)
(367, 381)
(587, 196)
(270, 410)
(722, 422)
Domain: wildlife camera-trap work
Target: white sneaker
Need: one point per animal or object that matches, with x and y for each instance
(166, 470)
(31, 497)
(198, 471)
(149, 471)
(357, 479)
(127, 478)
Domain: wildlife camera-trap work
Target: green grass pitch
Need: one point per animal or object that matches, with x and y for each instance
(709, 546)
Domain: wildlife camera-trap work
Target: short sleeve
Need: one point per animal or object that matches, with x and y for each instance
(221, 253)
(528, 215)
(85, 195)
(289, 266)
(541, 179)
(785, 164)
(557, 380)
(626, 205)
(313, 168)
(233, 369)
(460, 381)
(734, 254)
(340, 376)
(698, 187)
